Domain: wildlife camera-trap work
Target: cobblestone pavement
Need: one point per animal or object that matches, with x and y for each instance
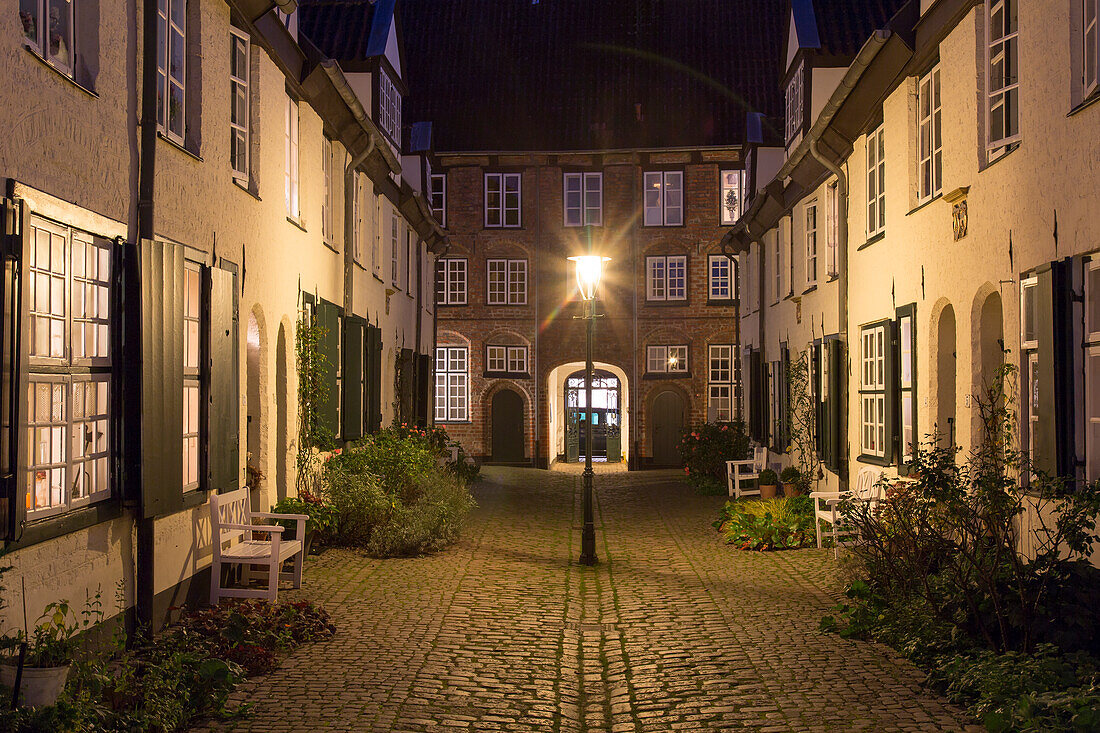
(672, 631)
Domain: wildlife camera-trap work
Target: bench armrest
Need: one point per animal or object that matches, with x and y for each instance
(828, 494)
(269, 515)
(254, 527)
(744, 462)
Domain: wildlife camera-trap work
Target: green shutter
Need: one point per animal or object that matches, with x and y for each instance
(835, 355)
(374, 379)
(328, 319)
(785, 398)
(892, 377)
(224, 422)
(162, 378)
(353, 378)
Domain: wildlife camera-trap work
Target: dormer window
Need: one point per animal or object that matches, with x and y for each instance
(794, 103)
(389, 107)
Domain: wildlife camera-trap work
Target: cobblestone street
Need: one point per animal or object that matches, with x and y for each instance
(672, 631)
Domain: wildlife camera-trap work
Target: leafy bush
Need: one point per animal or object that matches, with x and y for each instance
(322, 517)
(706, 448)
(767, 477)
(430, 524)
(187, 672)
(770, 524)
(790, 474)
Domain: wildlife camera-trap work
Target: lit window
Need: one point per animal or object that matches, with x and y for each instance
(327, 215)
(506, 359)
(171, 66)
(719, 270)
(664, 198)
(667, 359)
(507, 282)
(1002, 74)
(929, 136)
(811, 243)
(720, 383)
(583, 199)
(451, 384)
(291, 174)
(832, 224)
(666, 277)
(395, 247)
(873, 340)
(502, 200)
(450, 281)
(732, 195)
(238, 104)
(907, 364)
(876, 182)
(192, 382)
(48, 31)
(1090, 59)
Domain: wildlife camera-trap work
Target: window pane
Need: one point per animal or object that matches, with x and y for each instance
(60, 32)
(28, 17)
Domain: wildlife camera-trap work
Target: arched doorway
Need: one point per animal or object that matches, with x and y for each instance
(507, 427)
(282, 410)
(603, 413)
(254, 394)
(945, 377)
(990, 353)
(667, 421)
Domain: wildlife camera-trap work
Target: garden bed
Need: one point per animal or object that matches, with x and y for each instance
(786, 523)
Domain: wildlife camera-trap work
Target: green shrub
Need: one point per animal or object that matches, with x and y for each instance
(770, 524)
(790, 474)
(430, 524)
(767, 477)
(706, 448)
(357, 497)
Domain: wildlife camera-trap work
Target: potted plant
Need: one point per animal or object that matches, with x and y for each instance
(767, 482)
(792, 481)
(321, 516)
(48, 653)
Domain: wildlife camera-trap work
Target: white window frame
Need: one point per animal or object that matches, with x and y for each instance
(832, 226)
(1028, 290)
(505, 281)
(452, 384)
(811, 243)
(172, 29)
(517, 360)
(437, 198)
(715, 280)
(192, 375)
(451, 281)
(327, 214)
(731, 182)
(793, 99)
(874, 341)
(582, 199)
(1002, 100)
(661, 284)
(663, 198)
(507, 212)
(410, 258)
(496, 358)
(721, 381)
(239, 89)
(777, 260)
(389, 107)
(876, 181)
(659, 359)
(929, 136)
(1090, 47)
(291, 175)
(40, 43)
(907, 384)
(395, 249)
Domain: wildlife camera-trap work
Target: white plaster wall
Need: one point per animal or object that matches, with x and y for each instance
(825, 81)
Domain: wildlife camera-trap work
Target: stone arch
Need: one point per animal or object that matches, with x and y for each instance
(943, 357)
(486, 399)
(650, 416)
(555, 415)
(987, 348)
(257, 396)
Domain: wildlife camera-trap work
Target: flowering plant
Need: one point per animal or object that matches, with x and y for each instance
(705, 449)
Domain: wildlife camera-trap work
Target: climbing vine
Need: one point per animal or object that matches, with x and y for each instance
(802, 417)
(313, 435)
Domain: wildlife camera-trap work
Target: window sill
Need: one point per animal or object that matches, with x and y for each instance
(50, 528)
(662, 226)
(873, 460)
(667, 375)
(330, 245)
(810, 289)
(247, 188)
(450, 305)
(667, 303)
(505, 305)
(195, 497)
(722, 302)
(357, 263)
(506, 375)
(833, 278)
(72, 80)
(1001, 154)
(296, 222)
(518, 227)
(871, 240)
(454, 422)
(922, 204)
(375, 275)
(190, 154)
(1087, 102)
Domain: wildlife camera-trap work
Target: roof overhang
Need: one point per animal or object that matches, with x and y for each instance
(266, 29)
(414, 207)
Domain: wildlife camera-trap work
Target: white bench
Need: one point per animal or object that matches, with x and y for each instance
(827, 505)
(746, 470)
(235, 543)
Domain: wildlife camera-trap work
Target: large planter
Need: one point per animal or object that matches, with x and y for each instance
(767, 491)
(791, 488)
(40, 686)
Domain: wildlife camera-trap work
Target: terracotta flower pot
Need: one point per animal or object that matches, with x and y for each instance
(767, 491)
(791, 488)
(41, 686)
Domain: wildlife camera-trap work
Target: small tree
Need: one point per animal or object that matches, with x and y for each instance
(802, 417)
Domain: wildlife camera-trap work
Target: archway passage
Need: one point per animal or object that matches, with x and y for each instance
(603, 413)
(667, 418)
(507, 426)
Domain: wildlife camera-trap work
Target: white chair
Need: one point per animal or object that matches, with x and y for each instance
(746, 470)
(827, 505)
(235, 543)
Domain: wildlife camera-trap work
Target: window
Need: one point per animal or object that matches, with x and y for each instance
(48, 31)
(732, 195)
(777, 260)
(666, 277)
(1090, 59)
(238, 105)
(507, 282)
(1092, 368)
(811, 243)
(720, 274)
(69, 368)
(907, 363)
(720, 388)
(832, 225)
(876, 182)
(583, 199)
(664, 198)
(1002, 74)
(450, 281)
(874, 343)
(506, 359)
(1029, 325)
(292, 158)
(171, 63)
(328, 229)
(502, 199)
(929, 137)
(410, 259)
(794, 104)
(192, 383)
(667, 359)
(395, 245)
(1029, 345)
(437, 198)
(389, 108)
(451, 384)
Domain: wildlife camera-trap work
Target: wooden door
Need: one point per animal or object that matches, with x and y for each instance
(667, 419)
(507, 425)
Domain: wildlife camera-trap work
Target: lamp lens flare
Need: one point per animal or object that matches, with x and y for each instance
(589, 270)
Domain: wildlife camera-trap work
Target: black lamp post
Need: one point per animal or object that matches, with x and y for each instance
(589, 269)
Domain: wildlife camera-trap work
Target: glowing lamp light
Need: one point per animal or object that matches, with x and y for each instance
(672, 361)
(589, 270)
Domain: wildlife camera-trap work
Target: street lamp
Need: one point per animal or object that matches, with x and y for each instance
(589, 269)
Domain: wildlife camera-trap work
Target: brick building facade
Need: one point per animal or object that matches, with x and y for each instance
(527, 303)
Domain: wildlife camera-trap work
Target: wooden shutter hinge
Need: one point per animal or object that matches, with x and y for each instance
(13, 219)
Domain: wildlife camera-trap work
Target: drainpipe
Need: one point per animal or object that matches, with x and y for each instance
(535, 356)
(144, 563)
(350, 192)
(842, 275)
